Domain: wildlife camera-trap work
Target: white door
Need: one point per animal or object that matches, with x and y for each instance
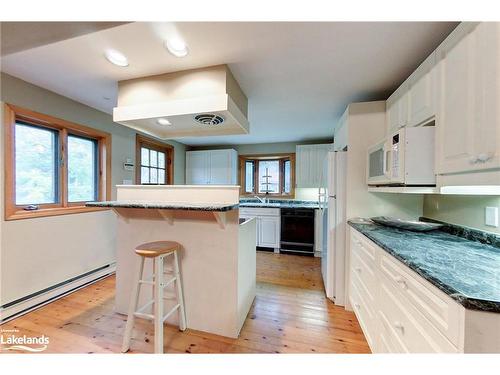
(197, 167)
(268, 232)
(220, 167)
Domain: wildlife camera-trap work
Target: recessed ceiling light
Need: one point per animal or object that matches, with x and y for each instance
(176, 47)
(163, 121)
(116, 57)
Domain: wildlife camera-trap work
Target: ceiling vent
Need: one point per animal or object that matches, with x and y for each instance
(187, 99)
(210, 119)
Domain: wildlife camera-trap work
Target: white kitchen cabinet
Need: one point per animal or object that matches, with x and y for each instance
(468, 116)
(268, 225)
(422, 86)
(268, 232)
(212, 167)
(397, 109)
(401, 312)
(309, 160)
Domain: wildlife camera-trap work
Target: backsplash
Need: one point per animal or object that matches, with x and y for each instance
(463, 210)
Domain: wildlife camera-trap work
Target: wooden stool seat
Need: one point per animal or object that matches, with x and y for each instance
(154, 249)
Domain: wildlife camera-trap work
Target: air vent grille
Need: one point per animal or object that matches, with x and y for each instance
(210, 119)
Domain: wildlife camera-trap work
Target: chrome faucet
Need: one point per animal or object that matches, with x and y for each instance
(261, 200)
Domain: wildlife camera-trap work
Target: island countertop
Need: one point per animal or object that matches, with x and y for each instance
(188, 206)
(465, 269)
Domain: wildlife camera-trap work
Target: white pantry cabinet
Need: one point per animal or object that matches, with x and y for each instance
(309, 168)
(468, 117)
(212, 167)
(268, 225)
(401, 312)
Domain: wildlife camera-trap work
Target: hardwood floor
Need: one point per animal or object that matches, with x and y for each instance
(290, 314)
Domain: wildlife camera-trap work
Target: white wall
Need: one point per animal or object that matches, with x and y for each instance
(40, 252)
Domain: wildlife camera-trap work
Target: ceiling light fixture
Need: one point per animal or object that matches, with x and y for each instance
(116, 57)
(176, 47)
(163, 121)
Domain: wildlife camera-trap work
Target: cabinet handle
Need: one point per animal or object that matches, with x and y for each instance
(358, 269)
(402, 282)
(357, 306)
(400, 327)
(484, 157)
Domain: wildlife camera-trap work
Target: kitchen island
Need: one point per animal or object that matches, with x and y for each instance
(218, 255)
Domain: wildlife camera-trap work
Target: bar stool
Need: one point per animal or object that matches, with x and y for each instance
(158, 251)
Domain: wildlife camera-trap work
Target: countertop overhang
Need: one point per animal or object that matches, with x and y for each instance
(215, 207)
(466, 270)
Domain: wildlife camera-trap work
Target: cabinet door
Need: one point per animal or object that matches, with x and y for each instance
(468, 136)
(197, 167)
(310, 161)
(487, 94)
(421, 93)
(397, 109)
(302, 160)
(221, 167)
(269, 232)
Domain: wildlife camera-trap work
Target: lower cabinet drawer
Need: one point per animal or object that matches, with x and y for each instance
(364, 310)
(439, 309)
(406, 329)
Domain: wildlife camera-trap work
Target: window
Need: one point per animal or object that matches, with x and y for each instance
(52, 166)
(154, 162)
(267, 175)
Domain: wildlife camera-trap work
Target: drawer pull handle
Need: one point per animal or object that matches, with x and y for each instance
(400, 327)
(402, 282)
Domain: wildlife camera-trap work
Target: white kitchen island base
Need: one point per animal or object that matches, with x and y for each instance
(217, 260)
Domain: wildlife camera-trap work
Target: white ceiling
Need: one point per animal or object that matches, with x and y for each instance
(298, 77)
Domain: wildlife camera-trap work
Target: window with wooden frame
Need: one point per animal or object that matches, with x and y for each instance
(155, 162)
(53, 166)
(268, 175)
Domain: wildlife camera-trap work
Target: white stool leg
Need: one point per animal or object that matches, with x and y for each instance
(158, 304)
(180, 296)
(134, 300)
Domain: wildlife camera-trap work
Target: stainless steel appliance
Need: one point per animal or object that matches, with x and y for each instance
(297, 231)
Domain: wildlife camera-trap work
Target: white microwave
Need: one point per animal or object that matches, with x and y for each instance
(405, 158)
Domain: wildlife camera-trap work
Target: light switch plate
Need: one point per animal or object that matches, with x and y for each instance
(491, 217)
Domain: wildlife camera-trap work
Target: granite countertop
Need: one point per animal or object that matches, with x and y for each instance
(164, 206)
(279, 203)
(466, 266)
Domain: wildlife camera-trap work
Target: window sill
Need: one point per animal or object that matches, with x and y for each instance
(45, 212)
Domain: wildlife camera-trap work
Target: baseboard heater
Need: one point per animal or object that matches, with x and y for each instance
(38, 299)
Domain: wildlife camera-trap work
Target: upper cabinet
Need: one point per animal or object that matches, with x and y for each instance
(212, 167)
(468, 137)
(397, 109)
(310, 160)
(422, 92)
(413, 103)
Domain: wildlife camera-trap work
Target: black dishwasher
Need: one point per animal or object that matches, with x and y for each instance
(297, 231)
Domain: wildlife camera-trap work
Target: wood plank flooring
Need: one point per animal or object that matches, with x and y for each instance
(290, 315)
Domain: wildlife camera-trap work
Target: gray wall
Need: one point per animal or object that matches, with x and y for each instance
(40, 252)
(465, 210)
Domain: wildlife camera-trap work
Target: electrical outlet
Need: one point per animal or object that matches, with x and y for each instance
(491, 217)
